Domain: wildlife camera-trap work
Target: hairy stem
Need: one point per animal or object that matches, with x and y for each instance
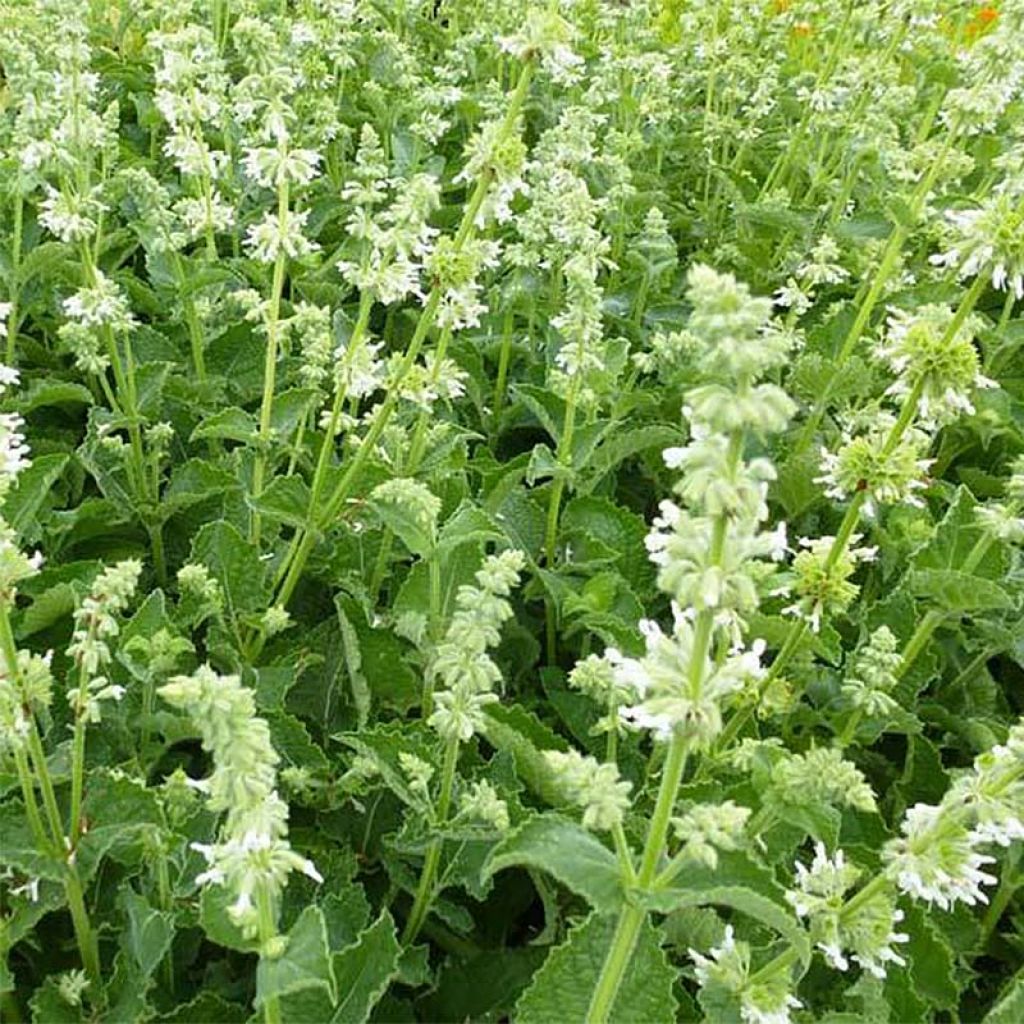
(425, 889)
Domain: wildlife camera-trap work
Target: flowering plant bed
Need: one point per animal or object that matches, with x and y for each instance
(511, 511)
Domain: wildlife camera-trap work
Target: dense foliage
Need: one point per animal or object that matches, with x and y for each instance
(511, 510)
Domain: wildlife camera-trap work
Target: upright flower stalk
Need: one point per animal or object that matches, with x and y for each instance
(467, 678)
(275, 240)
(708, 550)
(251, 857)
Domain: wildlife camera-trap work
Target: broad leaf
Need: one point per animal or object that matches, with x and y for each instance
(567, 851)
(304, 964)
(364, 970)
(562, 989)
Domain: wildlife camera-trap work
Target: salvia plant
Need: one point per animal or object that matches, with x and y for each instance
(512, 510)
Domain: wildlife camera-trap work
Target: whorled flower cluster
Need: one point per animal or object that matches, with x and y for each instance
(461, 664)
(938, 859)
(866, 934)
(595, 787)
(711, 551)
(251, 858)
(96, 623)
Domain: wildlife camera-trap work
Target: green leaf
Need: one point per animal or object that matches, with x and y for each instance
(522, 518)
(121, 812)
(739, 883)
(562, 989)
(285, 500)
(375, 663)
(619, 529)
(42, 393)
(214, 901)
(50, 1007)
(292, 741)
(469, 525)
(235, 564)
(955, 591)
(49, 607)
(624, 444)
(207, 1006)
(516, 731)
(272, 684)
(382, 745)
(364, 970)
(932, 968)
(954, 540)
(460, 996)
(289, 409)
(30, 493)
(18, 846)
(544, 465)
(545, 405)
(1010, 1007)
(353, 662)
(305, 963)
(568, 852)
(195, 481)
(346, 913)
(149, 933)
(405, 521)
(231, 424)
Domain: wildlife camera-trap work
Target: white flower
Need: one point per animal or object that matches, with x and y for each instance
(274, 166)
(68, 216)
(103, 304)
(273, 236)
(29, 889)
(13, 449)
(935, 861)
(727, 966)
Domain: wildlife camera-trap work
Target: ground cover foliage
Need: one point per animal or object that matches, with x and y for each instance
(511, 510)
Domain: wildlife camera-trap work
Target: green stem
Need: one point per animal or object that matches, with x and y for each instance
(1008, 886)
(504, 359)
(848, 525)
(78, 747)
(195, 331)
(164, 889)
(624, 853)
(850, 729)
(9, 649)
(156, 540)
(627, 931)
(564, 458)
(418, 447)
(327, 446)
(267, 932)
(269, 363)
(631, 918)
(88, 948)
(890, 257)
(933, 619)
(28, 792)
(77, 771)
(42, 773)
(425, 889)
